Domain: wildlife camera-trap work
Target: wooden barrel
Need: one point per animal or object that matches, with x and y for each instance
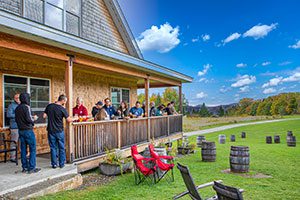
(269, 139)
(222, 139)
(232, 138)
(208, 151)
(289, 133)
(239, 159)
(200, 139)
(277, 139)
(291, 141)
(243, 135)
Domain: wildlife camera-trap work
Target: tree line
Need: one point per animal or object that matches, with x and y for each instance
(281, 104)
(168, 95)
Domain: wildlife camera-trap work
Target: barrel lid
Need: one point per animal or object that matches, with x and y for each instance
(239, 147)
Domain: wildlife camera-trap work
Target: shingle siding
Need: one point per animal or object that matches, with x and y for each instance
(96, 23)
(98, 26)
(14, 6)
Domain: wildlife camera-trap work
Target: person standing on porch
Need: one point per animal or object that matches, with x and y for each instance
(55, 127)
(97, 108)
(110, 110)
(152, 109)
(136, 111)
(172, 108)
(80, 110)
(25, 124)
(14, 135)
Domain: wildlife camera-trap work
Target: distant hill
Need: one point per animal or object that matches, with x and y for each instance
(212, 109)
(280, 104)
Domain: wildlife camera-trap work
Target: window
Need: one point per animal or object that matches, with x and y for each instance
(118, 95)
(39, 90)
(60, 14)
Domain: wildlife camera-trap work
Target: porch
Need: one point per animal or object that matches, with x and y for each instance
(91, 139)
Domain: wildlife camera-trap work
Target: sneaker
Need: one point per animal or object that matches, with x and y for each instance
(24, 170)
(34, 170)
(61, 166)
(54, 166)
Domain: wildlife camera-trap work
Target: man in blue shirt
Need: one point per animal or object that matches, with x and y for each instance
(14, 135)
(136, 111)
(110, 110)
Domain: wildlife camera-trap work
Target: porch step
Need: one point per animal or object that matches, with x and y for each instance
(49, 186)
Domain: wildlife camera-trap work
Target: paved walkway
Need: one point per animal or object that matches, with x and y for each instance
(222, 128)
(11, 177)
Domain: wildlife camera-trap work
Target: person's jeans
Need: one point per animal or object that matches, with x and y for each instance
(27, 138)
(57, 141)
(14, 136)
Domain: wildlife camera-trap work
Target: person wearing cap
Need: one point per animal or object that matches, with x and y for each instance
(97, 108)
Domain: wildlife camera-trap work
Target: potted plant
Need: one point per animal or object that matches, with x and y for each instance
(114, 164)
(187, 149)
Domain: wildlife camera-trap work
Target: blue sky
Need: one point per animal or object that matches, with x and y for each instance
(232, 49)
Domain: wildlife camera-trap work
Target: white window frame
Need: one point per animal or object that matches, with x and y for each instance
(64, 15)
(113, 87)
(28, 91)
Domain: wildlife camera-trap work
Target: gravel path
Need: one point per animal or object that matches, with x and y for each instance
(221, 128)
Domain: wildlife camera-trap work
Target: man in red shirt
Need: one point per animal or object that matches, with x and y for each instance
(80, 110)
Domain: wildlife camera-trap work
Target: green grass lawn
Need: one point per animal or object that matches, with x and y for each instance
(277, 160)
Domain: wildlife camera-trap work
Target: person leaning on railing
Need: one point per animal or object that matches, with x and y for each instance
(152, 109)
(97, 108)
(136, 111)
(123, 110)
(160, 110)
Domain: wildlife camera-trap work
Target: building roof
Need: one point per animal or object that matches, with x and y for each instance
(25, 28)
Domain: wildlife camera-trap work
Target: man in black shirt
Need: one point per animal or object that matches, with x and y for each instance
(25, 124)
(56, 138)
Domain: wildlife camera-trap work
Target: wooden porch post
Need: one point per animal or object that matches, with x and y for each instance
(69, 94)
(180, 99)
(147, 85)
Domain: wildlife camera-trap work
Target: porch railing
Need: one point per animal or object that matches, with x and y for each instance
(93, 138)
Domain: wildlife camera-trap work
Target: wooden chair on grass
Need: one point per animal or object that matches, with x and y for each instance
(223, 192)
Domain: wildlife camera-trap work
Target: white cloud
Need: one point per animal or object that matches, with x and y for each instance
(241, 65)
(244, 89)
(195, 39)
(243, 81)
(260, 31)
(224, 89)
(162, 39)
(269, 91)
(205, 37)
(201, 95)
(205, 69)
(284, 63)
(292, 78)
(203, 80)
(281, 89)
(266, 63)
(273, 82)
(295, 46)
(231, 37)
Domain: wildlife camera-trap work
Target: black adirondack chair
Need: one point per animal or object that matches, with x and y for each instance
(192, 189)
(227, 193)
(5, 149)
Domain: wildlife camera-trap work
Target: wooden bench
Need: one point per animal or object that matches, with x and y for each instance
(5, 149)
